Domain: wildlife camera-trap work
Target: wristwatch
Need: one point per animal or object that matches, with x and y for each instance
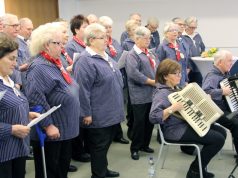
(170, 111)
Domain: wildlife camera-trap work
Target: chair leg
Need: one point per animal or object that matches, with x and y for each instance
(159, 156)
(199, 162)
(165, 155)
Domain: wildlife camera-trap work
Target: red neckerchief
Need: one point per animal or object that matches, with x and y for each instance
(58, 63)
(152, 61)
(80, 42)
(67, 57)
(171, 45)
(112, 50)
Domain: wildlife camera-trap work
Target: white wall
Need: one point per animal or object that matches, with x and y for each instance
(218, 19)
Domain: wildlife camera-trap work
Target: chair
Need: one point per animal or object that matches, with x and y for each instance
(164, 142)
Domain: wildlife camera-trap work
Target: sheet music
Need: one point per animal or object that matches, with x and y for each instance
(2, 93)
(42, 116)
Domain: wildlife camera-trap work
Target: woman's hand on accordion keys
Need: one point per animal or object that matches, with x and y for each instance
(226, 90)
(173, 108)
(177, 106)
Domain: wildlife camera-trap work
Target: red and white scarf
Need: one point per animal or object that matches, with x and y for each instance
(59, 65)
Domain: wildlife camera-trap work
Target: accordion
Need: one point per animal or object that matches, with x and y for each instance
(199, 109)
(232, 99)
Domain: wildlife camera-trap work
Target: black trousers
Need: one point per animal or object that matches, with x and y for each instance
(100, 140)
(14, 168)
(130, 115)
(57, 156)
(118, 132)
(212, 142)
(232, 125)
(80, 143)
(142, 128)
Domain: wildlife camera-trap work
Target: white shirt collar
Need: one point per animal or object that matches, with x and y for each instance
(11, 85)
(21, 37)
(93, 53)
(137, 50)
(191, 36)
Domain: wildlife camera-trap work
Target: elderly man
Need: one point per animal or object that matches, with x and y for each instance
(24, 34)
(211, 85)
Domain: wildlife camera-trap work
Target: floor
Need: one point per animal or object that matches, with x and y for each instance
(176, 164)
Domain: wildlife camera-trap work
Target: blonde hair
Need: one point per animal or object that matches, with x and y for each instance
(41, 36)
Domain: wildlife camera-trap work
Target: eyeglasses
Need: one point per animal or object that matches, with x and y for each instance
(173, 30)
(13, 25)
(100, 38)
(178, 74)
(193, 28)
(181, 24)
(56, 42)
(146, 38)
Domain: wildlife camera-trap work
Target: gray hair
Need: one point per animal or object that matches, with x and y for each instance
(92, 18)
(7, 17)
(221, 55)
(105, 21)
(176, 19)
(153, 21)
(190, 20)
(168, 25)
(91, 32)
(24, 20)
(142, 31)
(41, 36)
(133, 14)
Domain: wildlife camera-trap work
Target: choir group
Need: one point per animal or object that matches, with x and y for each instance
(94, 77)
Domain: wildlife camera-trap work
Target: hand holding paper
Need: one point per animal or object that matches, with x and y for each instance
(42, 116)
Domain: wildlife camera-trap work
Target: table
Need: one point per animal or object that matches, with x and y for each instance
(205, 64)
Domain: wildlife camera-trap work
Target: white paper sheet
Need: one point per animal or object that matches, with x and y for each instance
(42, 116)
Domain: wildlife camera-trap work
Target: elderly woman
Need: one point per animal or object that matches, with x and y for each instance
(49, 84)
(14, 114)
(153, 25)
(77, 26)
(137, 18)
(67, 62)
(114, 50)
(140, 69)
(101, 109)
(79, 147)
(172, 48)
(194, 40)
(129, 42)
(167, 79)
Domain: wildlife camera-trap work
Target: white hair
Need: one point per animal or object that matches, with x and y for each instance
(105, 20)
(221, 55)
(92, 30)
